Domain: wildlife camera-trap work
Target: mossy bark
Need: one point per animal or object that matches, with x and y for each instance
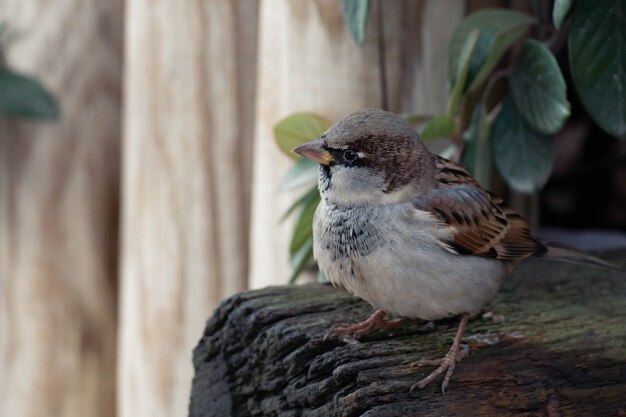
(560, 352)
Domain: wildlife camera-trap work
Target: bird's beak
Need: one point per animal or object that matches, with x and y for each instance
(315, 151)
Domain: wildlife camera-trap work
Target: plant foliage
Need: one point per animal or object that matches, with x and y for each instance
(355, 13)
(538, 88)
(597, 52)
(290, 132)
(497, 30)
(23, 96)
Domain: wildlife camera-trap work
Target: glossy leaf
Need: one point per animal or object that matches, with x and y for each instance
(559, 12)
(539, 89)
(597, 53)
(303, 229)
(498, 30)
(523, 157)
(303, 200)
(440, 126)
(297, 129)
(302, 259)
(26, 97)
(461, 72)
(355, 14)
(303, 172)
(301, 250)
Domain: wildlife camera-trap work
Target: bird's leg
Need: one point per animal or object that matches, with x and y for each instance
(448, 362)
(374, 322)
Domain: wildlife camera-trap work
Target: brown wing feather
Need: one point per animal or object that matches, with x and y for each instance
(483, 225)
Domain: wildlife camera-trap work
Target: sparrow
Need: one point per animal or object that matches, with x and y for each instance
(410, 232)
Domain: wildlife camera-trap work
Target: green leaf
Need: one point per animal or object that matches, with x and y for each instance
(461, 72)
(303, 229)
(477, 155)
(298, 128)
(440, 126)
(498, 30)
(301, 248)
(303, 258)
(597, 53)
(303, 172)
(559, 12)
(25, 97)
(539, 89)
(355, 13)
(311, 194)
(523, 157)
(416, 119)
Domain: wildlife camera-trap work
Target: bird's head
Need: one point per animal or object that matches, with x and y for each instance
(370, 157)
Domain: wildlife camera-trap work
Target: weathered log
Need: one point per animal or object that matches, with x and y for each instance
(560, 351)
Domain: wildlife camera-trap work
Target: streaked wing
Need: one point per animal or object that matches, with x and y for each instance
(482, 224)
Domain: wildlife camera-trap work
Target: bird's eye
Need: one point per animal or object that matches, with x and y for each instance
(350, 155)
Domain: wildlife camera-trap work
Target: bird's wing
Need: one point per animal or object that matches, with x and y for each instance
(481, 223)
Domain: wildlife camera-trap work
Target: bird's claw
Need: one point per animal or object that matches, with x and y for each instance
(349, 333)
(352, 332)
(446, 364)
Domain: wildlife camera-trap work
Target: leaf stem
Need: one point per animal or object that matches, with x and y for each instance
(482, 157)
(558, 40)
(382, 64)
(497, 76)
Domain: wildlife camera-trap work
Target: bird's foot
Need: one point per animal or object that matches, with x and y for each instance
(357, 330)
(446, 364)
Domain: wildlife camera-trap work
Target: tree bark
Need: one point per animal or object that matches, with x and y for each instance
(59, 200)
(308, 62)
(184, 189)
(561, 351)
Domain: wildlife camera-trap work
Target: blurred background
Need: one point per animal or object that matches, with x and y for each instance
(154, 193)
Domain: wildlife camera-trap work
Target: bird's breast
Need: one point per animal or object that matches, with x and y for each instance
(345, 233)
(347, 238)
(391, 257)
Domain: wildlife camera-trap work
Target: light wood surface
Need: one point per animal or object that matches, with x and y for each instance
(59, 213)
(184, 230)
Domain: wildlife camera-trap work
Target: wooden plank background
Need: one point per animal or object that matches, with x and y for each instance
(59, 210)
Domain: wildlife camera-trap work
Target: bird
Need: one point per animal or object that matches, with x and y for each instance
(412, 233)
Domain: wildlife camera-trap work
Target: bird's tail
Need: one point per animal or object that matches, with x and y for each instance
(563, 254)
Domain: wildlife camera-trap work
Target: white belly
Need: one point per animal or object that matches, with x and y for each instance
(404, 271)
